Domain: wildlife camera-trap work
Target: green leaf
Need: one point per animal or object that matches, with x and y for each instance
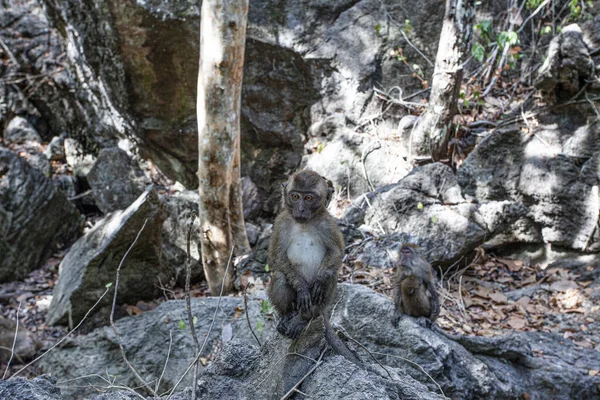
(266, 307)
(260, 326)
(109, 284)
(407, 26)
(507, 38)
(181, 324)
(320, 148)
(478, 52)
(195, 320)
(378, 29)
(420, 206)
(434, 219)
(267, 268)
(546, 30)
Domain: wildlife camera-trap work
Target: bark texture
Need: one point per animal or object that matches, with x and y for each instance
(436, 122)
(222, 40)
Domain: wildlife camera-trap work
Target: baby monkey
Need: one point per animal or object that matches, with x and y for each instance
(414, 287)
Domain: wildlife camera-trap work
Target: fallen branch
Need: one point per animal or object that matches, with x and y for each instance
(248, 317)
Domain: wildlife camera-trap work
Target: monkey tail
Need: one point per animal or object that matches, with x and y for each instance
(336, 343)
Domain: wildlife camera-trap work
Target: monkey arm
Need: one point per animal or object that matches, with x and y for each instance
(326, 277)
(435, 299)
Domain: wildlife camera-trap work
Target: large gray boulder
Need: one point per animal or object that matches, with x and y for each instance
(146, 339)
(92, 262)
(116, 180)
(35, 217)
(418, 363)
(552, 171)
(427, 208)
(19, 130)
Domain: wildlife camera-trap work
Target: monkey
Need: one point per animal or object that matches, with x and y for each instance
(305, 253)
(414, 287)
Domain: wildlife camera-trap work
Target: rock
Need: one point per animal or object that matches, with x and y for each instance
(92, 261)
(19, 130)
(251, 199)
(552, 173)
(116, 180)
(26, 346)
(40, 162)
(40, 388)
(149, 334)
(427, 208)
(341, 161)
(56, 149)
(568, 65)
(80, 162)
(542, 364)
(182, 210)
(82, 95)
(35, 218)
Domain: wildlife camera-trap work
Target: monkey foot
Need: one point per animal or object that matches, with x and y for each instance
(425, 322)
(291, 325)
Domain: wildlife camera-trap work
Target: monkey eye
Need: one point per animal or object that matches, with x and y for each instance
(405, 250)
(309, 197)
(295, 196)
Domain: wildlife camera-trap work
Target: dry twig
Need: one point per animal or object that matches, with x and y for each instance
(12, 350)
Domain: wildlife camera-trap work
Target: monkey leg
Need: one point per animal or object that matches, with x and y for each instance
(281, 294)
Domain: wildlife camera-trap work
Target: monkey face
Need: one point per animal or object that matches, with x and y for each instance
(306, 195)
(303, 205)
(408, 255)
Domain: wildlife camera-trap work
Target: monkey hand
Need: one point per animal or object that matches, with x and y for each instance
(303, 300)
(318, 291)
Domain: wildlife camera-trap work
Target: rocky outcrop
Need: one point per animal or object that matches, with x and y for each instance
(427, 208)
(35, 217)
(26, 344)
(552, 171)
(42, 387)
(415, 362)
(146, 339)
(92, 262)
(116, 180)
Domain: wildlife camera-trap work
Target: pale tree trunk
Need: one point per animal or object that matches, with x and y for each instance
(435, 124)
(222, 40)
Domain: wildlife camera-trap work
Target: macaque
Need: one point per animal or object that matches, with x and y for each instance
(414, 287)
(305, 253)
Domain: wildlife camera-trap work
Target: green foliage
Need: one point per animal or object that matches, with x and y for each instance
(420, 206)
(532, 4)
(378, 28)
(434, 219)
(267, 268)
(407, 26)
(109, 284)
(195, 320)
(181, 324)
(266, 307)
(260, 326)
(546, 30)
(507, 38)
(478, 52)
(485, 27)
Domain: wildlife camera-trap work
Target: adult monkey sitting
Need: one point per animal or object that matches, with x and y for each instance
(305, 253)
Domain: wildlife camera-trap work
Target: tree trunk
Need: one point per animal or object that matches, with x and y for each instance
(222, 40)
(436, 122)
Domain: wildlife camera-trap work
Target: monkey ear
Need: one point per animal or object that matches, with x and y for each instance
(330, 191)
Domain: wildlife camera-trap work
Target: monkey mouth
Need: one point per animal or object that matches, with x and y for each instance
(301, 218)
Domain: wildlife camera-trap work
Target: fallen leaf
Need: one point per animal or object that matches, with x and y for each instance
(585, 284)
(593, 372)
(524, 301)
(517, 323)
(499, 298)
(203, 361)
(238, 312)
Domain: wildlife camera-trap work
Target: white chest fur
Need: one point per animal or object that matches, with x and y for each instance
(306, 251)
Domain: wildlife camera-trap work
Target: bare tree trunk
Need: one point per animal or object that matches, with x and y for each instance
(222, 40)
(436, 122)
